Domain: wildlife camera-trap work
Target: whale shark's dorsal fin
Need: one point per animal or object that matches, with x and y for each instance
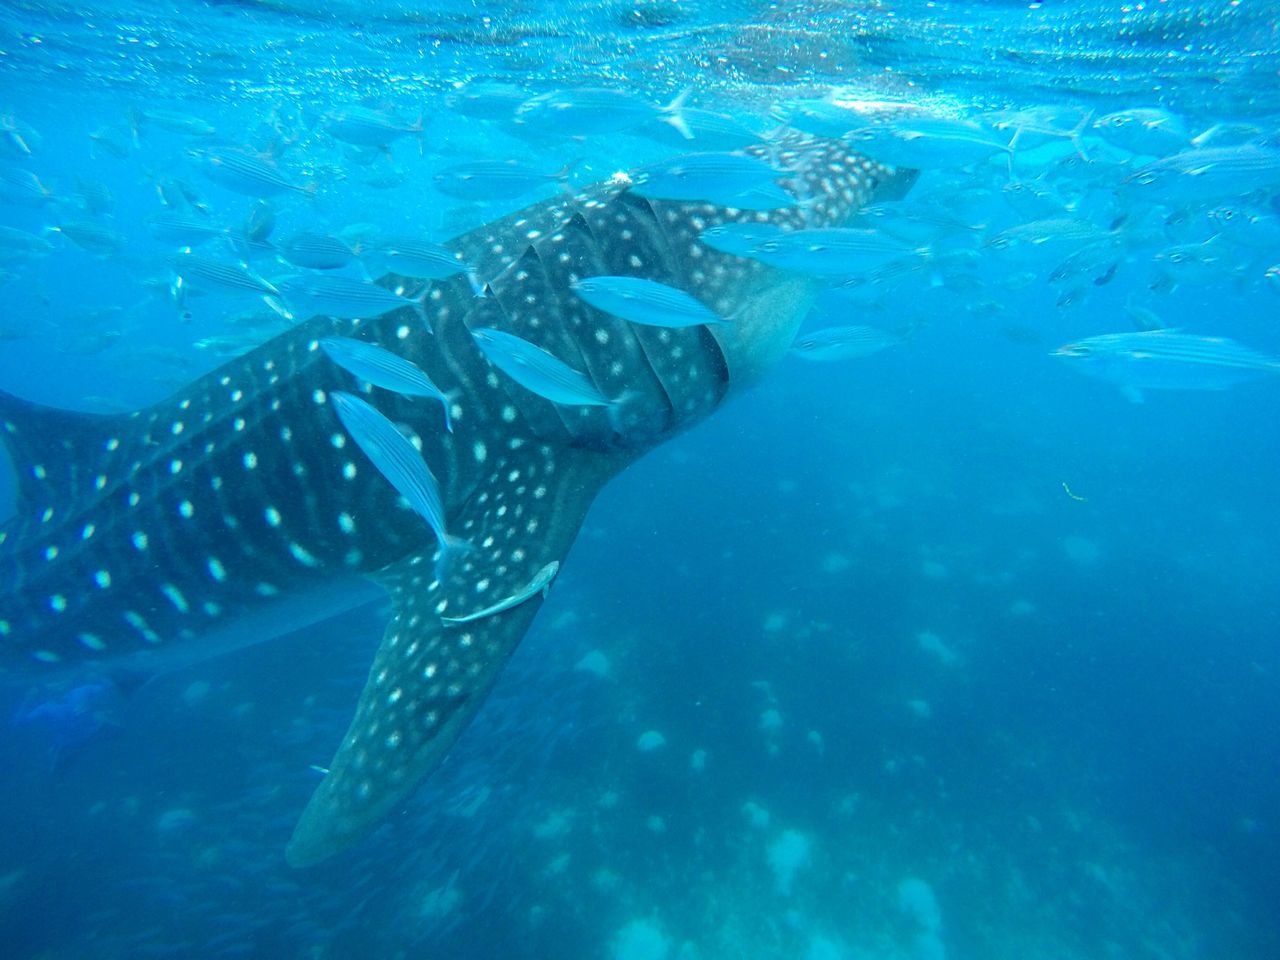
(430, 676)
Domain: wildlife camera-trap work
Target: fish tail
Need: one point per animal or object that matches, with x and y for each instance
(478, 287)
(561, 177)
(446, 401)
(1077, 131)
(277, 304)
(420, 305)
(673, 114)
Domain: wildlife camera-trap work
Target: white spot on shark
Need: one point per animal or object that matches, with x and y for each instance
(175, 596)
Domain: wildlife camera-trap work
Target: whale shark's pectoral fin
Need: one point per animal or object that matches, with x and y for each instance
(429, 676)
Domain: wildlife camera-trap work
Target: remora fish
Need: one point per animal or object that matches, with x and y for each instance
(240, 508)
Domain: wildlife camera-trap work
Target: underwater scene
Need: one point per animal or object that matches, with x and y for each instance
(640, 480)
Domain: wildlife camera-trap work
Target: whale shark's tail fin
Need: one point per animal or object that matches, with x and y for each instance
(431, 676)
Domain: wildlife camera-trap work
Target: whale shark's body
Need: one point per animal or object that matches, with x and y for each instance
(240, 505)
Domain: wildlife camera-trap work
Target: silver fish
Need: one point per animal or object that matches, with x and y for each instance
(399, 461)
(417, 259)
(382, 368)
(18, 244)
(537, 370)
(710, 177)
(645, 301)
(583, 111)
(344, 297)
(711, 131)
(540, 584)
(1144, 130)
(183, 229)
(315, 251)
(1167, 360)
(1197, 176)
(496, 179)
(246, 174)
(738, 239)
(91, 237)
(173, 121)
(928, 143)
(842, 343)
(487, 100)
(363, 127)
(831, 251)
(219, 275)
(23, 188)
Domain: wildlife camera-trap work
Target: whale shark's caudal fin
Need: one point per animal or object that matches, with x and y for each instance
(431, 676)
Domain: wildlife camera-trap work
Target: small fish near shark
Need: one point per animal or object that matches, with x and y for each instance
(286, 483)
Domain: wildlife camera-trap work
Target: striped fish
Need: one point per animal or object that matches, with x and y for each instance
(382, 368)
(91, 237)
(536, 370)
(763, 196)
(702, 176)
(830, 252)
(418, 260)
(1167, 360)
(645, 302)
(739, 239)
(496, 179)
(219, 275)
(398, 460)
(363, 127)
(1197, 175)
(183, 229)
(540, 584)
(246, 174)
(315, 251)
(842, 343)
(343, 297)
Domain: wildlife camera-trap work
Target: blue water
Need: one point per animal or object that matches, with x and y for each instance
(947, 651)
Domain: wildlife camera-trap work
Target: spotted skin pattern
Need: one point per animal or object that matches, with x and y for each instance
(147, 531)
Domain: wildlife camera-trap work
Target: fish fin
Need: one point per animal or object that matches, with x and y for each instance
(1077, 133)
(58, 454)
(429, 678)
(1133, 394)
(673, 114)
(278, 306)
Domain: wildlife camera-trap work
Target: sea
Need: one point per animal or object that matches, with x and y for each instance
(955, 636)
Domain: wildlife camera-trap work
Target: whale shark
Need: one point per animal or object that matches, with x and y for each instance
(240, 507)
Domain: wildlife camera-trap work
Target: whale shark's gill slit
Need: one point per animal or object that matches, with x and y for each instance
(430, 676)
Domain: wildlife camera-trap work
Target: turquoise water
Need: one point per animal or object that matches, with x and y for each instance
(945, 650)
